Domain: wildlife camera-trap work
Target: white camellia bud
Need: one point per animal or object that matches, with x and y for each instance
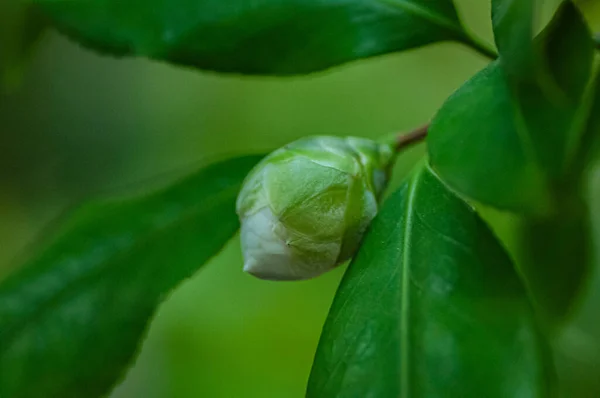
(305, 207)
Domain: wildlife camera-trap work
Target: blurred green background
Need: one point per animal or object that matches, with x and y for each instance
(80, 126)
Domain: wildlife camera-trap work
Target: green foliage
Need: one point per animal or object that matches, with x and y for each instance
(275, 37)
(498, 131)
(513, 22)
(555, 260)
(431, 306)
(21, 25)
(562, 241)
(589, 146)
(72, 319)
(523, 131)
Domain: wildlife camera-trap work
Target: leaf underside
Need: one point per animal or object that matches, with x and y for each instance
(270, 37)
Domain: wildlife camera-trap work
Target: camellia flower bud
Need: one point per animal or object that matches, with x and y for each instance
(305, 207)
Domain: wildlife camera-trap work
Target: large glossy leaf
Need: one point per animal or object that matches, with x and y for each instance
(278, 37)
(506, 142)
(430, 307)
(72, 319)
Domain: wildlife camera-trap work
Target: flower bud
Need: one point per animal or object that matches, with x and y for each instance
(305, 207)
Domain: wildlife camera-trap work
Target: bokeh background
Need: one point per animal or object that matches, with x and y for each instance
(80, 125)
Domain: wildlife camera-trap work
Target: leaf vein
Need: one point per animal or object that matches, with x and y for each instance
(405, 292)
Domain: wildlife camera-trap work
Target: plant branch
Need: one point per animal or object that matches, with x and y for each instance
(403, 141)
(597, 40)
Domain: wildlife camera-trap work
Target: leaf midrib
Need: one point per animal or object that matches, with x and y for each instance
(405, 283)
(425, 14)
(81, 282)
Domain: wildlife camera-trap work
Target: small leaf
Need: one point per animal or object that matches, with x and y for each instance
(71, 321)
(589, 148)
(273, 37)
(430, 307)
(512, 21)
(554, 259)
(505, 142)
(21, 26)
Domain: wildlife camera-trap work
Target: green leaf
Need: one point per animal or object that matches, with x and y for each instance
(430, 307)
(506, 142)
(273, 37)
(512, 21)
(554, 259)
(555, 253)
(71, 321)
(589, 148)
(21, 26)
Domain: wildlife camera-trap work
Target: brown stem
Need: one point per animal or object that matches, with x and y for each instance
(405, 140)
